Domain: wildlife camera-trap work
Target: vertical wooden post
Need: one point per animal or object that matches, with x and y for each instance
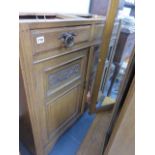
(110, 19)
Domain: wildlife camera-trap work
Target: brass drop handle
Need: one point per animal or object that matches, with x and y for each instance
(68, 39)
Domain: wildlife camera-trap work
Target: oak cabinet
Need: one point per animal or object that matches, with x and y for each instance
(55, 67)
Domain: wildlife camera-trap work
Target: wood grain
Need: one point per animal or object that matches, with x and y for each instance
(25, 128)
(26, 69)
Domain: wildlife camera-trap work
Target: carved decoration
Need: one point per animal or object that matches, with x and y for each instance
(57, 78)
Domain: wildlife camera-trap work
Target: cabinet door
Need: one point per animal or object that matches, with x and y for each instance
(59, 90)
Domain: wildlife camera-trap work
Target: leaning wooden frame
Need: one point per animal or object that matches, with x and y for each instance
(108, 28)
(110, 19)
(113, 5)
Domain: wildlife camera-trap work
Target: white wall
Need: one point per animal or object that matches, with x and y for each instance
(54, 6)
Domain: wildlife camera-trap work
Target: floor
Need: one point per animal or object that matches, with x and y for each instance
(94, 141)
(69, 143)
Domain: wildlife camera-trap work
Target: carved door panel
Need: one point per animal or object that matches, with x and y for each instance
(59, 91)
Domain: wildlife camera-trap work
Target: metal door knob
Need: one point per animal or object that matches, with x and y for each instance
(68, 39)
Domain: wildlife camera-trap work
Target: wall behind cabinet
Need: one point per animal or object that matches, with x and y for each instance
(54, 6)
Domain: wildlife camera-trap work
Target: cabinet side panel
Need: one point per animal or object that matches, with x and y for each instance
(25, 129)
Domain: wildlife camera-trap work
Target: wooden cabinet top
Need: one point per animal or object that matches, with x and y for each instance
(42, 20)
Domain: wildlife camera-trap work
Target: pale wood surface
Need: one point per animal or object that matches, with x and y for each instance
(122, 141)
(25, 129)
(65, 20)
(33, 108)
(94, 140)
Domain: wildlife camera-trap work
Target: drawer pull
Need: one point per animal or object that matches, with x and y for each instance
(68, 39)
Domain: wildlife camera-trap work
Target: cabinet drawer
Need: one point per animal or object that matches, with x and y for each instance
(50, 39)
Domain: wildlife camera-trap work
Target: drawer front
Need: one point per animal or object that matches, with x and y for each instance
(50, 39)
